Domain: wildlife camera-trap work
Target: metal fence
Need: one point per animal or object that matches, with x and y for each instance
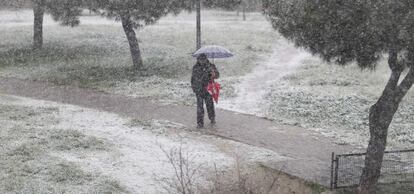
(397, 166)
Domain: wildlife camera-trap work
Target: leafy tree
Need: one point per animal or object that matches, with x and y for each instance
(222, 4)
(253, 5)
(249, 6)
(231, 5)
(361, 31)
(65, 11)
(135, 14)
(7, 4)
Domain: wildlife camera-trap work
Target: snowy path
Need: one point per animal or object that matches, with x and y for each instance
(309, 152)
(250, 92)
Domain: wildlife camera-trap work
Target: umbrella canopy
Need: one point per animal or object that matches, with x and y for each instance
(213, 51)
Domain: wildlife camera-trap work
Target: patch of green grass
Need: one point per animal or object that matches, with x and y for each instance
(107, 186)
(25, 152)
(72, 139)
(139, 123)
(63, 173)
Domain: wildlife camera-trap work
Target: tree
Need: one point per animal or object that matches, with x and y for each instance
(65, 11)
(231, 5)
(250, 6)
(244, 5)
(253, 5)
(222, 4)
(135, 14)
(361, 31)
(7, 4)
(38, 13)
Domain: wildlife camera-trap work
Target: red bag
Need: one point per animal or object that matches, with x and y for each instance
(213, 88)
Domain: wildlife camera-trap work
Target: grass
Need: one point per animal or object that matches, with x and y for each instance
(52, 148)
(336, 100)
(242, 178)
(28, 140)
(395, 188)
(96, 54)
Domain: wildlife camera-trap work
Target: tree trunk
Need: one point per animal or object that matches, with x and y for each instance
(198, 38)
(38, 11)
(380, 117)
(244, 12)
(133, 42)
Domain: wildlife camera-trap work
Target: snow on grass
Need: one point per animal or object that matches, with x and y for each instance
(250, 92)
(13, 18)
(97, 56)
(295, 88)
(27, 137)
(96, 147)
(140, 156)
(335, 101)
(162, 90)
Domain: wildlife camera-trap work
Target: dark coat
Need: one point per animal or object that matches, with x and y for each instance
(201, 76)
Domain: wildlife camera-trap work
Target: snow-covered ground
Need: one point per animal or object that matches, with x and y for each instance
(294, 87)
(125, 150)
(23, 18)
(95, 54)
(268, 76)
(251, 91)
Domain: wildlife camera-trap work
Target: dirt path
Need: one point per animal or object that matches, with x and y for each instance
(310, 152)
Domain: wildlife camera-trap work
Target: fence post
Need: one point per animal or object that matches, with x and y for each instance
(332, 169)
(335, 183)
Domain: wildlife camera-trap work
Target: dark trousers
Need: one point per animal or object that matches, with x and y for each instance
(201, 99)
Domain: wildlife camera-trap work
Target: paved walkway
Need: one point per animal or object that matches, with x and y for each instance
(310, 152)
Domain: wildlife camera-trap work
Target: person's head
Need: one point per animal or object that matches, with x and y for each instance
(202, 59)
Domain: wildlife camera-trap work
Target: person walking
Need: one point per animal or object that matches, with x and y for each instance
(203, 73)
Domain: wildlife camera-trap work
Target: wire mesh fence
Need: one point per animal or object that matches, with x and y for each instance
(397, 166)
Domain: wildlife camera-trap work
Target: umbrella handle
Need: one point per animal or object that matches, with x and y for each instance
(213, 75)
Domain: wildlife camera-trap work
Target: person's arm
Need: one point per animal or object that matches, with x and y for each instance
(215, 71)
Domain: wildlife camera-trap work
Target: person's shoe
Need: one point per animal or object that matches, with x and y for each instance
(200, 126)
(213, 122)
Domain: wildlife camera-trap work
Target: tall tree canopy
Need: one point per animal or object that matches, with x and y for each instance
(135, 14)
(361, 31)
